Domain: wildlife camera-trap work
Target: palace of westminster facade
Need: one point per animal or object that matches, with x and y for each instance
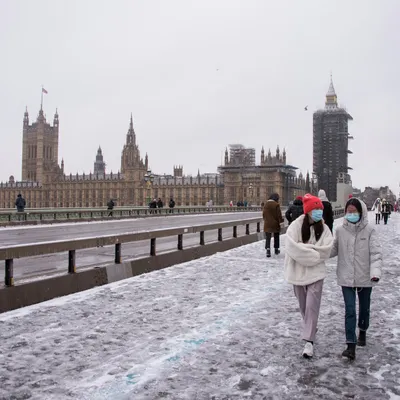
(45, 184)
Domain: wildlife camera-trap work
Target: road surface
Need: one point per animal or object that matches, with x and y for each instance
(28, 268)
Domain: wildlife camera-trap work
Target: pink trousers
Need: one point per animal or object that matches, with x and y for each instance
(309, 298)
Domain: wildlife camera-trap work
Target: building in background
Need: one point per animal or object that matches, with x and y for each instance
(45, 183)
(247, 182)
(370, 194)
(331, 149)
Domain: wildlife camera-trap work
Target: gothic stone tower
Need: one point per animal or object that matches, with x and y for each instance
(331, 144)
(132, 166)
(40, 149)
(99, 164)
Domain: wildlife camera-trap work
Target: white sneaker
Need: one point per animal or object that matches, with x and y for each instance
(308, 351)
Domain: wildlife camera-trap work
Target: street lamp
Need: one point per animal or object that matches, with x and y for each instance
(148, 178)
(251, 193)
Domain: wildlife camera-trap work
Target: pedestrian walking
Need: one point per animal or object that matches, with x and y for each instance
(272, 216)
(359, 266)
(377, 207)
(20, 203)
(110, 207)
(295, 210)
(308, 244)
(328, 212)
(171, 205)
(387, 209)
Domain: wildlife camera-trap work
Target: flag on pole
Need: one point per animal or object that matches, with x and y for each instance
(44, 90)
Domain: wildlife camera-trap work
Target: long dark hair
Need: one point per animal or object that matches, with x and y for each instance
(306, 229)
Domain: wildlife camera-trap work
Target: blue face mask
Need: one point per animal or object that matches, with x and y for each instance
(316, 215)
(352, 217)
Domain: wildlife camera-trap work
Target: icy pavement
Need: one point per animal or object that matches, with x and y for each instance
(223, 327)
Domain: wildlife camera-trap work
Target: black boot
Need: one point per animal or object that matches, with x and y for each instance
(268, 253)
(350, 352)
(277, 251)
(362, 339)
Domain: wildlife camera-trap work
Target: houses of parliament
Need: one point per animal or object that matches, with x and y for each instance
(45, 184)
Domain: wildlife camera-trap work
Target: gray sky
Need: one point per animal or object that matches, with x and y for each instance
(199, 75)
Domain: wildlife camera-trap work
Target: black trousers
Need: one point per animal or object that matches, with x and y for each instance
(385, 217)
(377, 218)
(268, 237)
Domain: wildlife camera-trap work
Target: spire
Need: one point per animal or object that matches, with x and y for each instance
(331, 98)
(26, 117)
(131, 137)
(226, 156)
(284, 156)
(262, 156)
(99, 151)
(55, 121)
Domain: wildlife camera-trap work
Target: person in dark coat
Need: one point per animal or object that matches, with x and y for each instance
(272, 216)
(295, 210)
(328, 212)
(160, 203)
(20, 203)
(171, 205)
(387, 209)
(110, 207)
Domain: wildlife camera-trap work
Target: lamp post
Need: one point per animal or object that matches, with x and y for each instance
(148, 178)
(250, 193)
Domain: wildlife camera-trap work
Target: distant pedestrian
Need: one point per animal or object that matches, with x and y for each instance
(377, 207)
(328, 212)
(387, 209)
(171, 205)
(308, 244)
(272, 216)
(295, 210)
(160, 203)
(20, 203)
(359, 268)
(110, 207)
(231, 203)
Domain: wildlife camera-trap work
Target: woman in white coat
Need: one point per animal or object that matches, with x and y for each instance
(308, 244)
(359, 269)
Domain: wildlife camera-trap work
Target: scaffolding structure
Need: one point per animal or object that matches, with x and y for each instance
(240, 155)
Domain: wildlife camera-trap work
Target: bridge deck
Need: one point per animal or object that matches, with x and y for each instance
(223, 327)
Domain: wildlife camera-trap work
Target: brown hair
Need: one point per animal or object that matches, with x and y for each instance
(306, 229)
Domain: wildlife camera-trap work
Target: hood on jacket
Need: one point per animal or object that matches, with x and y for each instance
(322, 195)
(274, 196)
(364, 217)
(297, 202)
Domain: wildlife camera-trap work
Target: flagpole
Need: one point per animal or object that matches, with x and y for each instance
(41, 100)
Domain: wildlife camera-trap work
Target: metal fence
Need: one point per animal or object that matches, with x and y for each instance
(9, 253)
(71, 246)
(74, 214)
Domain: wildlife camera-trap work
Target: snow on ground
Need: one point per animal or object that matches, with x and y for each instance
(222, 327)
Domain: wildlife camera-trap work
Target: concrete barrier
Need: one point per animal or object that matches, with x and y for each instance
(46, 289)
(34, 292)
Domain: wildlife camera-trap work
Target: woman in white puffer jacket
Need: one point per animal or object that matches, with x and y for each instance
(308, 244)
(359, 269)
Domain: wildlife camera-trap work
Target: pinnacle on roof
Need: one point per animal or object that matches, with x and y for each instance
(331, 90)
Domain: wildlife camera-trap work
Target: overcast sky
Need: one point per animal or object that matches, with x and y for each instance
(199, 75)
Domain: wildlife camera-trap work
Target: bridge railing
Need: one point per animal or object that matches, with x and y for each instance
(66, 214)
(9, 253)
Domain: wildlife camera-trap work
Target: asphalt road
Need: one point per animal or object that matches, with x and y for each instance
(34, 267)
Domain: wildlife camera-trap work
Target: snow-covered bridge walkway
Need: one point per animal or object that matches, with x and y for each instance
(223, 327)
